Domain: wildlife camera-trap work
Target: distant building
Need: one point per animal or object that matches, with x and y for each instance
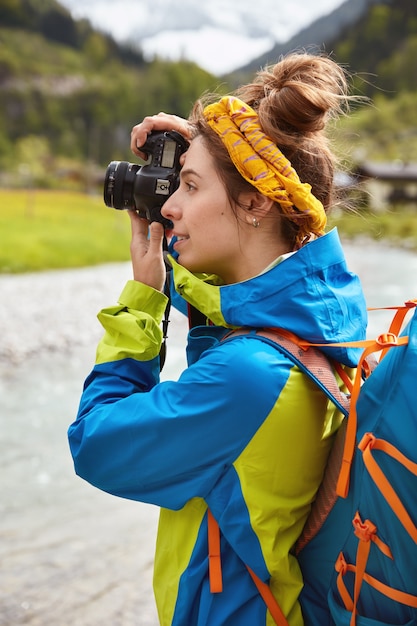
(386, 184)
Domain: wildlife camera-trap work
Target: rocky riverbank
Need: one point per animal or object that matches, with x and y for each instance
(55, 311)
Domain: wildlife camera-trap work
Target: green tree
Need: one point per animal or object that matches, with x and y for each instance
(96, 49)
(398, 73)
(9, 65)
(58, 25)
(173, 87)
(12, 12)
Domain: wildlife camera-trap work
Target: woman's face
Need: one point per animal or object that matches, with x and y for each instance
(208, 232)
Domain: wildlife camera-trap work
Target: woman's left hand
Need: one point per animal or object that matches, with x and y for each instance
(162, 121)
(147, 252)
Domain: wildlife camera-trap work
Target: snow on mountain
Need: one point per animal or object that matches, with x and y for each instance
(220, 35)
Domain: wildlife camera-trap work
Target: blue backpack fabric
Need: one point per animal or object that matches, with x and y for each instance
(358, 550)
(360, 567)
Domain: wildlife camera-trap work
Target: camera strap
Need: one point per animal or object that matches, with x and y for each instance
(165, 321)
(195, 317)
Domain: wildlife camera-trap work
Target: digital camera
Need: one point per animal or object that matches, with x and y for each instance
(145, 188)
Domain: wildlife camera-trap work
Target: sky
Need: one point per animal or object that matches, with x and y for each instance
(219, 35)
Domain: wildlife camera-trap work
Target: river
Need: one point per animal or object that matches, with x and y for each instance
(70, 554)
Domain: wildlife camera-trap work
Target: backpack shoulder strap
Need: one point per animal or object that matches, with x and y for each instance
(308, 359)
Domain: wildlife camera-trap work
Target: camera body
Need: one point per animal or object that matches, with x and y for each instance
(146, 188)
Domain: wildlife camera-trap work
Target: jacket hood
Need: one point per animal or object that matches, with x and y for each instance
(311, 293)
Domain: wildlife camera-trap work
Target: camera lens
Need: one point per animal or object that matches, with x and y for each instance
(119, 185)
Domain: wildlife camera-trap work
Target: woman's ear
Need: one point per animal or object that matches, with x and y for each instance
(256, 206)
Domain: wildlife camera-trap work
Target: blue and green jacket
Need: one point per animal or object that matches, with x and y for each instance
(242, 431)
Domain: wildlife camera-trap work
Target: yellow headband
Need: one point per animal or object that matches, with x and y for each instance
(263, 165)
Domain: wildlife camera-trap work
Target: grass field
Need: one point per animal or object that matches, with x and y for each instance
(42, 230)
(58, 229)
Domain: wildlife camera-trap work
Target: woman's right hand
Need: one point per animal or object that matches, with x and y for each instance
(146, 252)
(162, 121)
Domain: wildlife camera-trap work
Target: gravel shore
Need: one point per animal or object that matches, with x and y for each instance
(56, 310)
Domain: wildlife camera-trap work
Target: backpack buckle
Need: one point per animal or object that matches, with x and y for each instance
(386, 340)
(341, 566)
(364, 531)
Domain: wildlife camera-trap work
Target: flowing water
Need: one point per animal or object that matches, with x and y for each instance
(71, 555)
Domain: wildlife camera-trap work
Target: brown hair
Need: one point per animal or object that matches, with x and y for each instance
(295, 99)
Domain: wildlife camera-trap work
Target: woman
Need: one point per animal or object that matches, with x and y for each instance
(242, 432)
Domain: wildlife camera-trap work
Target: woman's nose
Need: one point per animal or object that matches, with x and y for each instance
(170, 209)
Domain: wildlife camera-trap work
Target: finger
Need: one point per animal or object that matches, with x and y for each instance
(166, 121)
(161, 121)
(156, 235)
(139, 225)
(140, 133)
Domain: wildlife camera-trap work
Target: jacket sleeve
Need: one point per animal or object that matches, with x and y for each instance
(164, 442)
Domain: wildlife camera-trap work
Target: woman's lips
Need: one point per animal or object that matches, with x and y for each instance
(179, 241)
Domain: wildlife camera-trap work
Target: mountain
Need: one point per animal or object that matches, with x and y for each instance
(376, 40)
(316, 35)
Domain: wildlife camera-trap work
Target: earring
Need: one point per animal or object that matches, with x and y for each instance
(255, 222)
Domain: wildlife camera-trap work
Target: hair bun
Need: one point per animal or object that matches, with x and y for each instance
(298, 94)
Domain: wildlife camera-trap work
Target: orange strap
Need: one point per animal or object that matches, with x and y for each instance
(312, 359)
(398, 319)
(215, 573)
(367, 531)
(269, 599)
(369, 443)
(394, 594)
(382, 342)
(215, 565)
(326, 494)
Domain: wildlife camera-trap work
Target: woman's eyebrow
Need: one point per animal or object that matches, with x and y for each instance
(188, 172)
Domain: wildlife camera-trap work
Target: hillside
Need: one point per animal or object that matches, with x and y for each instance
(375, 39)
(54, 23)
(380, 48)
(329, 27)
(69, 95)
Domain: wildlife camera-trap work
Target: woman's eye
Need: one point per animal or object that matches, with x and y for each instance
(190, 186)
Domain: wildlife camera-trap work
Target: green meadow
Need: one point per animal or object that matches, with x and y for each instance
(42, 230)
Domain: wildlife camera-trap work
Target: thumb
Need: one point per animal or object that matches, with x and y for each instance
(156, 235)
